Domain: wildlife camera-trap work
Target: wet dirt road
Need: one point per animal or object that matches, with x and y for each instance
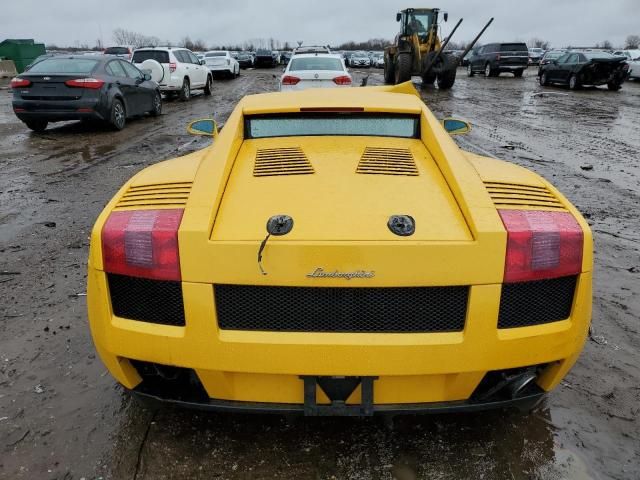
(63, 417)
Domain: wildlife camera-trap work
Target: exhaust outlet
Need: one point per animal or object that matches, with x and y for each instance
(518, 383)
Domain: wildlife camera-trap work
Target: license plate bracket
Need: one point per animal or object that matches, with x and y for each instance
(338, 389)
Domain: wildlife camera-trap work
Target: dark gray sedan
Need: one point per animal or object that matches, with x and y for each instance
(98, 87)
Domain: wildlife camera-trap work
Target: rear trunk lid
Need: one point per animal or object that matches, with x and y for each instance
(316, 79)
(345, 192)
(50, 87)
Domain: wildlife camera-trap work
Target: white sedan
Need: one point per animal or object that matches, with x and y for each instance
(221, 62)
(315, 70)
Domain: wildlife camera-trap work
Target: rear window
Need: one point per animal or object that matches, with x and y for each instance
(64, 65)
(340, 124)
(215, 54)
(116, 51)
(159, 56)
(315, 63)
(513, 47)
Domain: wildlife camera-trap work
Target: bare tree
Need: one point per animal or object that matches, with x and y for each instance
(199, 45)
(607, 45)
(538, 43)
(99, 45)
(135, 39)
(632, 42)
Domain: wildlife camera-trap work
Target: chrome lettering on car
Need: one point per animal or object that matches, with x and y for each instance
(321, 273)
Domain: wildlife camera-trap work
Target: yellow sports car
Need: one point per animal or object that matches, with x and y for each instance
(335, 253)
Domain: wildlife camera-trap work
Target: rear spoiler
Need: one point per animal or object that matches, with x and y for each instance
(407, 88)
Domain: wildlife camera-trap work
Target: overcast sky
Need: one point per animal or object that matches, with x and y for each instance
(73, 22)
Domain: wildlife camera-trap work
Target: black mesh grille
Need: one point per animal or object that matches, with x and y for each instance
(533, 303)
(329, 309)
(153, 301)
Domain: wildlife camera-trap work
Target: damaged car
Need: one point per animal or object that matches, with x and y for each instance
(334, 252)
(578, 69)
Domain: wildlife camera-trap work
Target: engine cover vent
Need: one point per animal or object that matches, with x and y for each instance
(164, 195)
(387, 161)
(512, 195)
(281, 161)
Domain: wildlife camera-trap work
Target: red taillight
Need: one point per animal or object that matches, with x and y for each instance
(172, 67)
(142, 243)
(92, 83)
(290, 80)
(342, 80)
(20, 82)
(541, 244)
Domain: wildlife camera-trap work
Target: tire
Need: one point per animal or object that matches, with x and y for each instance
(208, 87)
(518, 73)
(185, 91)
(614, 86)
(156, 111)
(470, 72)
(447, 72)
(402, 68)
(431, 76)
(389, 71)
(37, 125)
(543, 79)
(118, 115)
(574, 84)
(488, 71)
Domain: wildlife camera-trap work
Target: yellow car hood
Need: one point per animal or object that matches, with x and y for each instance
(331, 192)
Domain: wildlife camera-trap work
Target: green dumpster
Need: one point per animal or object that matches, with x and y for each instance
(21, 51)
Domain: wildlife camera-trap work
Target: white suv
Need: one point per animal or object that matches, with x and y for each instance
(177, 70)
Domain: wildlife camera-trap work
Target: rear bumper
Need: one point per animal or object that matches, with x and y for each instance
(523, 403)
(220, 68)
(423, 369)
(57, 111)
(511, 68)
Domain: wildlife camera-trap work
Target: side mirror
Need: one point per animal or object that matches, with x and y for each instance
(445, 16)
(398, 16)
(206, 127)
(203, 62)
(147, 76)
(455, 126)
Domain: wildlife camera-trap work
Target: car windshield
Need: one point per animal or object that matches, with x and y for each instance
(592, 55)
(553, 55)
(158, 55)
(513, 47)
(339, 124)
(116, 51)
(64, 65)
(215, 54)
(315, 63)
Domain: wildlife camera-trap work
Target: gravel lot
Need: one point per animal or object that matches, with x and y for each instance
(63, 417)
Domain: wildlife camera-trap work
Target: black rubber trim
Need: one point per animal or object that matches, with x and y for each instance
(229, 406)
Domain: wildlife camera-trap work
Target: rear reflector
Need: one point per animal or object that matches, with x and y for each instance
(290, 80)
(17, 109)
(142, 243)
(85, 110)
(342, 80)
(92, 83)
(19, 82)
(541, 244)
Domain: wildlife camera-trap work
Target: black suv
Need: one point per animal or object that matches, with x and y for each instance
(495, 58)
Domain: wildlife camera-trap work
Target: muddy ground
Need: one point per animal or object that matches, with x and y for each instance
(63, 417)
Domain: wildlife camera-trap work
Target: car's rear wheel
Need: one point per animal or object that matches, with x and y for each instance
(614, 86)
(574, 84)
(518, 73)
(488, 71)
(185, 91)
(543, 79)
(37, 125)
(403, 68)
(470, 71)
(157, 105)
(208, 88)
(118, 117)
